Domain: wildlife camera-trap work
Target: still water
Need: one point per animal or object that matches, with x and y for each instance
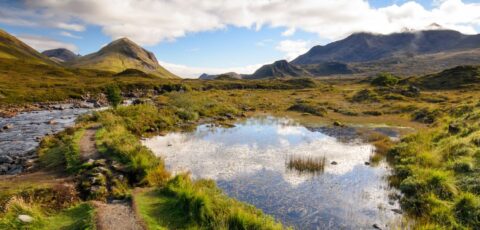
(249, 162)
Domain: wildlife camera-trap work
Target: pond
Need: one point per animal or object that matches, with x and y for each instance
(250, 163)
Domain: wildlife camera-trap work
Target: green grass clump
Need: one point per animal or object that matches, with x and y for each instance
(187, 204)
(115, 141)
(437, 171)
(306, 107)
(79, 217)
(62, 150)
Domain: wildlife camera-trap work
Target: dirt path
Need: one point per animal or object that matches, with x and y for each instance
(109, 216)
(88, 149)
(116, 216)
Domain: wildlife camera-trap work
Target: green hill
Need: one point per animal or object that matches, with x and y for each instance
(120, 55)
(13, 48)
(454, 78)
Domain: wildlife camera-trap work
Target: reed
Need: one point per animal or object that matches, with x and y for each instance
(306, 164)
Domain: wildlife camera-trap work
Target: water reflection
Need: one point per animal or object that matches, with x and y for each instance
(249, 163)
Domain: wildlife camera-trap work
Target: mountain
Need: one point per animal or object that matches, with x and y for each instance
(14, 49)
(365, 47)
(279, 69)
(120, 55)
(229, 75)
(328, 68)
(60, 55)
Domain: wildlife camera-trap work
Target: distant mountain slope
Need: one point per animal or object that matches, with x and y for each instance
(364, 47)
(279, 69)
(120, 55)
(60, 55)
(13, 48)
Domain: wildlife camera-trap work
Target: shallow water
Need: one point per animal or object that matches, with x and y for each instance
(249, 163)
(27, 129)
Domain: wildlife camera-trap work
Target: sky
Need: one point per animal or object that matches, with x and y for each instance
(191, 37)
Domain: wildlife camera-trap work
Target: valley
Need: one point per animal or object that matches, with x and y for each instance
(373, 134)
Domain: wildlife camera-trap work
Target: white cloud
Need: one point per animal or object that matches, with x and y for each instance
(288, 32)
(293, 48)
(43, 43)
(194, 72)
(70, 35)
(149, 22)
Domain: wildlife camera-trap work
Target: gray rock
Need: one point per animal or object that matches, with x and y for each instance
(5, 159)
(334, 163)
(25, 218)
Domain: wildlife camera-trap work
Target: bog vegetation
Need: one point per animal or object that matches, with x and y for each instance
(435, 168)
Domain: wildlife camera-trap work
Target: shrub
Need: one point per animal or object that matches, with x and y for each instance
(426, 116)
(467, 210)
(365, 95)
(385, 79)
(114, 95)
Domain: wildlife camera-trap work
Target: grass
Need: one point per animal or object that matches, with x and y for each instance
(62, 150)
(436, 171)
(79, 217)
(187, 204)
(304, 164)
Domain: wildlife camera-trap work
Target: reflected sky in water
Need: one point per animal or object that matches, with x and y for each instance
(249, 163)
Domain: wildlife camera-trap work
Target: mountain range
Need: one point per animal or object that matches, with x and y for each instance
(116, 57)
(406, 53)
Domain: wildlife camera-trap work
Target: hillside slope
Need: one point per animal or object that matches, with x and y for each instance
(120, 55)
(12, 48)
(279, 69)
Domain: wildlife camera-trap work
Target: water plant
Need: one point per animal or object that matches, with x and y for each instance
(306, 164)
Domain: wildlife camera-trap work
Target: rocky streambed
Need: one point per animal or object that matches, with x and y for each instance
(21, 134)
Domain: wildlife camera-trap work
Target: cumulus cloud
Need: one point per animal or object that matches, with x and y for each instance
(293, 48)
(194, 72)
(149, 22)
(41, 43)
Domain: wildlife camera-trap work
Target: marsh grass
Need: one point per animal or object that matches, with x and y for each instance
(306, 164)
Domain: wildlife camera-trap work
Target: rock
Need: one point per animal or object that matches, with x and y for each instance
(5, 159)
(25, 218)
(8, 126)
(334, 163)
(397, 211)
(367, 163)
(51, 122)
(454, 128)
(375, 226)
(16, 169)
(3, 169)
(338, 124)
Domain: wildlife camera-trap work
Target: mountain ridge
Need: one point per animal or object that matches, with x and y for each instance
(362, 47)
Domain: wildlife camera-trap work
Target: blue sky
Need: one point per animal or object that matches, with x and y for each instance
(227, 36)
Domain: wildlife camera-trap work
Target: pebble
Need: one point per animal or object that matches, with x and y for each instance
(334, 163)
